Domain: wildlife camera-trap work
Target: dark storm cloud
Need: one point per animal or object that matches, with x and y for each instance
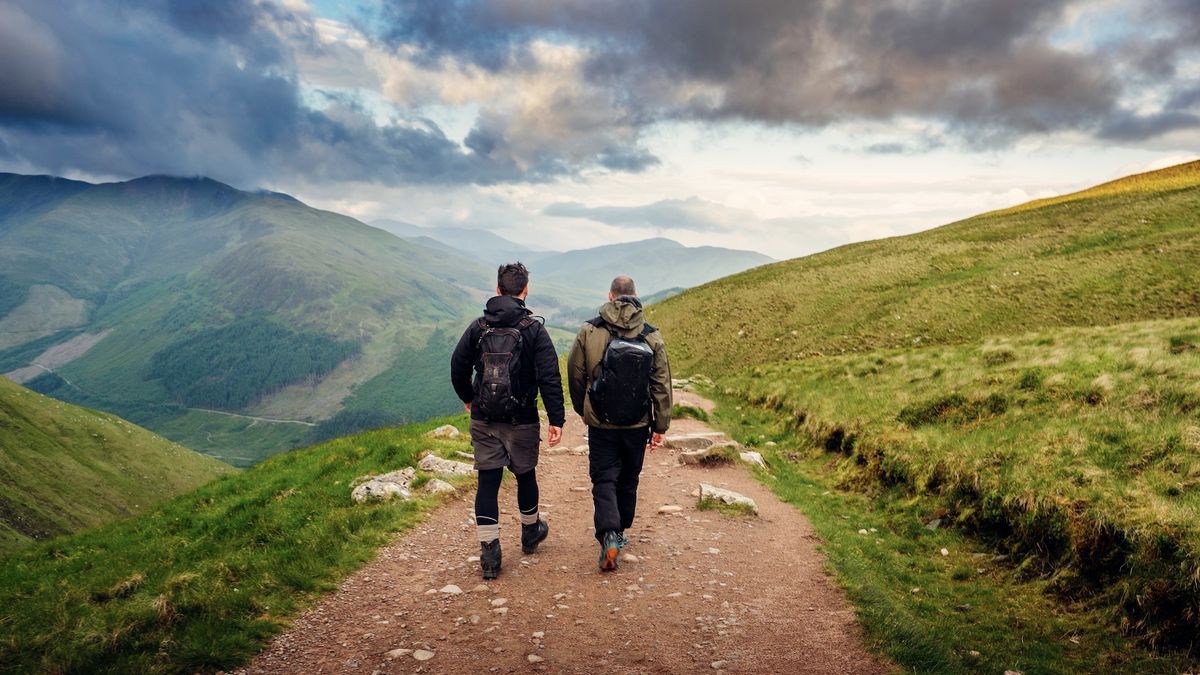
(988, 70)
(172, 86)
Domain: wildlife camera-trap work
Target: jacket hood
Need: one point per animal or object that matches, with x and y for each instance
(624, 313)
(505, 310)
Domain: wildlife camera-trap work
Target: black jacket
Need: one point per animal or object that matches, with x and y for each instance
(539, 363)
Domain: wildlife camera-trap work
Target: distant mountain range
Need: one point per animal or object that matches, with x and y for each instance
(245, 323)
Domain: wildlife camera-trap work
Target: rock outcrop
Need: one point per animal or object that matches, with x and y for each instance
(447, 431)
(714, 494)
(434, 464)
(387, 486)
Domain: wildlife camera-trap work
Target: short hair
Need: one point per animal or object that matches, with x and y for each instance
(623, 285)
(512, 279)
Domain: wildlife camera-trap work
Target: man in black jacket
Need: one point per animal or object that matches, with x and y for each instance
(500, 364)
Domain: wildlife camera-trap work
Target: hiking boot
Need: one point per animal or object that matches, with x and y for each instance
(532, 535)
(610, 550)
(489, 558)
(622, 540)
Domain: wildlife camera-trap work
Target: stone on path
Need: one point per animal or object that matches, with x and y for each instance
(670, 508)
(437, 486)
(397, 653)
(723, 496)
(445, 431)
(423, 655)
(499, 602)
(755, 458)
(697, 441)
(534, 658)
(580, 450)
(434, 464)
(451, 589)
(386, 486)
(713, 452)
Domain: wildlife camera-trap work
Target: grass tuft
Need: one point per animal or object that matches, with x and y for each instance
(736, 510)
(680, 410)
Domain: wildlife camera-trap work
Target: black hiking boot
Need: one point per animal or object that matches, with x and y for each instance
(532, 535)
(489, 558)
(610, 550)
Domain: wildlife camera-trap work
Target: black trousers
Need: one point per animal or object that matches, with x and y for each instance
(615, 464)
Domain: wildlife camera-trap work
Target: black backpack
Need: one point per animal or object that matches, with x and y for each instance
(499, 392)
(620, 392)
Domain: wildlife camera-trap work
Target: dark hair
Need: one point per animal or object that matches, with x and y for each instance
(512, 279)
(623, 285)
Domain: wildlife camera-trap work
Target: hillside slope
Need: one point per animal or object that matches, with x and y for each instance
(1122, 251)
(65, 468)
(197, 583)
(301, 305)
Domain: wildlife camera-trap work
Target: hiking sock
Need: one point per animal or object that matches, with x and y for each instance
(487, 509)
(527, 496)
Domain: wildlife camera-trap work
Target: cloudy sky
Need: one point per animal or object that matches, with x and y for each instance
(782, 126)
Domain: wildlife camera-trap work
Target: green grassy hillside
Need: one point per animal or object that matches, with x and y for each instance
(1077, 450)
(65, 468)
(1123, 251)
(301, 305)
(984, 375)
(201, 582)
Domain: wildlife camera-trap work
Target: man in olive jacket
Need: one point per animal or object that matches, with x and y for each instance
(617, 452)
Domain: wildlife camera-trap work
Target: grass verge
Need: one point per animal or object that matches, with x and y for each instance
(968, 611)
(203, 581)
(1078, 452)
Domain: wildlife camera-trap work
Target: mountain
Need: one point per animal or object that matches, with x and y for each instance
(566, 287)
(1122, 251)
(480, 245)
(655, 265)
(64, 468)
(230, 321)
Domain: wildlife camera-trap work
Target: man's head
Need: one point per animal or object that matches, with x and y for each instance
(622, 285)
(512, 279)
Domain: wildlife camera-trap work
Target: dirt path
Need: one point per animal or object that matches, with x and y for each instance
(698, 592)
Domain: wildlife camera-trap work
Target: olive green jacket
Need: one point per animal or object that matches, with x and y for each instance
(625, 315)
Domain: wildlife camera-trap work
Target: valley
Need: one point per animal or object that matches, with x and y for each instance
(244, 324)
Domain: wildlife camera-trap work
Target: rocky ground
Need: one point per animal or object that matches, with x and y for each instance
(697, 591)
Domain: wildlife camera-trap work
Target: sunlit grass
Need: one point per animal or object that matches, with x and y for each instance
(1077, 452)
(201, 582)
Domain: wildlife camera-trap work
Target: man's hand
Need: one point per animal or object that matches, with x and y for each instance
(555, 436)
(467, 406)
(655, 441)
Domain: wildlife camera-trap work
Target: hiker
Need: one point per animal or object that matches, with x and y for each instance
(502, 361)
(620, 384)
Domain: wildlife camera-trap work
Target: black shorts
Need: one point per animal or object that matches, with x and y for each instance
(500, 444)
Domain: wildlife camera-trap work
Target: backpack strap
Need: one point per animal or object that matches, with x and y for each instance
(648, 329)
